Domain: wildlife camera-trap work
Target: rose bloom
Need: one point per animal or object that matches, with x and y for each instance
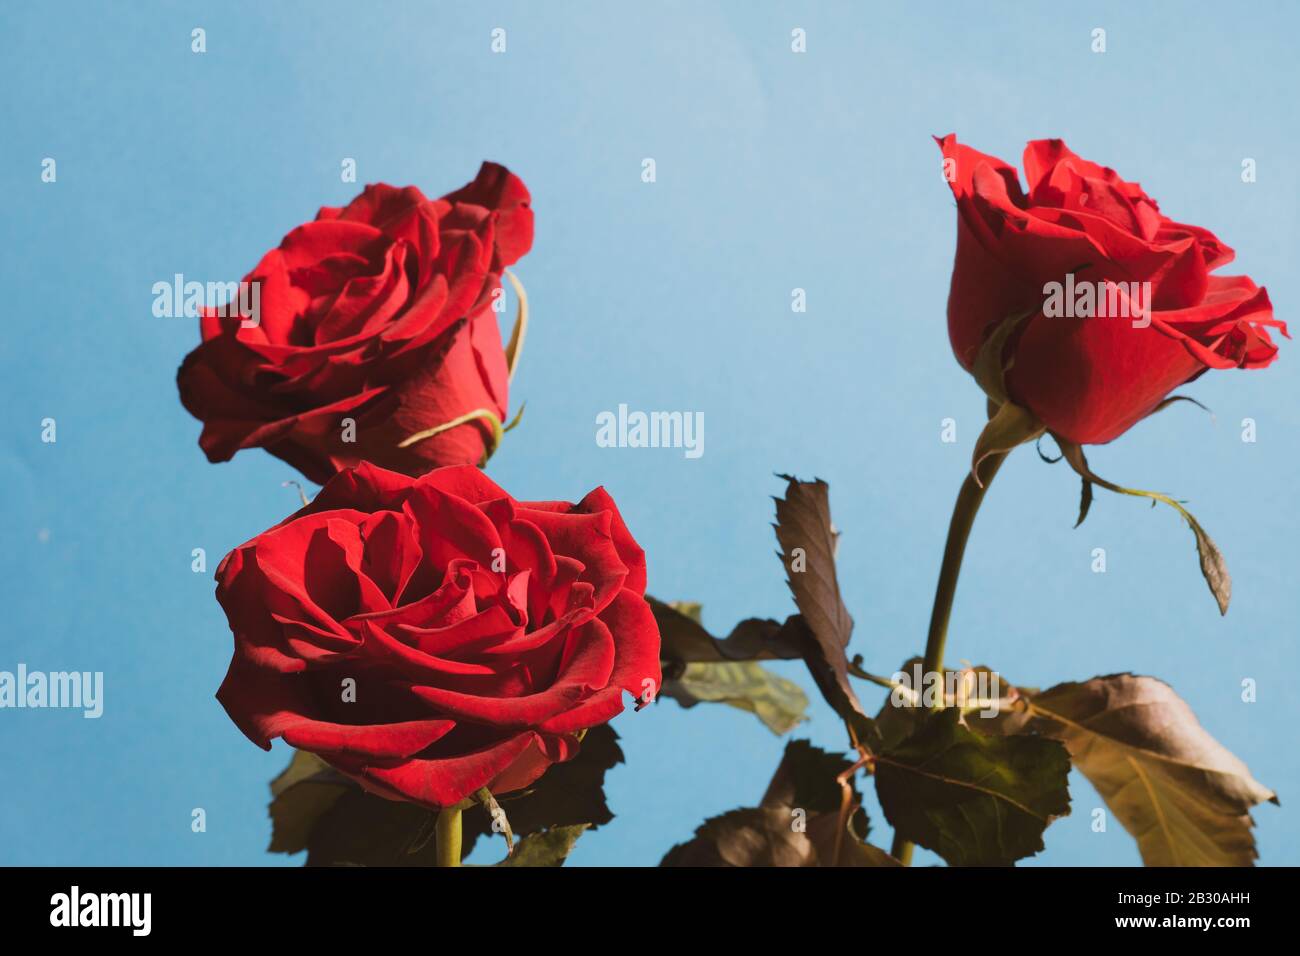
(1090, 379)
(379, 312)
(429, 637)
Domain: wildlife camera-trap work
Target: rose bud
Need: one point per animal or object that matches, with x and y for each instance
(1079, 307)
(429, 637)
(1089, 379)
(374, 338)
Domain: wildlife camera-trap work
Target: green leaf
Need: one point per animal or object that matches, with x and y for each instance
(806, 778)
(975, 800)
(685, 641)
(1213, 566)
(751, 836)
(1183, 796)
(568, 794)
(866, 854)
(300, 796)
(747, 685)
(797, 823)
(699, 667)
(546, 847)
(808, 543)
(771, 836)
(975, 691)
(360, 829)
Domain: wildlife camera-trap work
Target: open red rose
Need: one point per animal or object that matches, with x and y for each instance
(379, 312)
(1089, 380)
(432, 636)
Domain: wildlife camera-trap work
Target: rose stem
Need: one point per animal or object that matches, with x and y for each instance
(447, 835)
(963, 516)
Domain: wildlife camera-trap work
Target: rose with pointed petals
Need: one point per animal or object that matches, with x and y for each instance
(430, 637)
(1090, 379)
(379, 312)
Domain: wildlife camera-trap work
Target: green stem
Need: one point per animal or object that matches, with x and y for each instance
(963, 517)
(447, 834)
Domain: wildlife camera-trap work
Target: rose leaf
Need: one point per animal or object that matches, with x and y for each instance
(975, 800)
(1183, 796)
(808, 543)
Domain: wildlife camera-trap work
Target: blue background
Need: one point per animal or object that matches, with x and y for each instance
(775, 171)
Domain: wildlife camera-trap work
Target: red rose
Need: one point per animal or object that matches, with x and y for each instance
(1088, 380)
(479, 634)
(379, 312)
